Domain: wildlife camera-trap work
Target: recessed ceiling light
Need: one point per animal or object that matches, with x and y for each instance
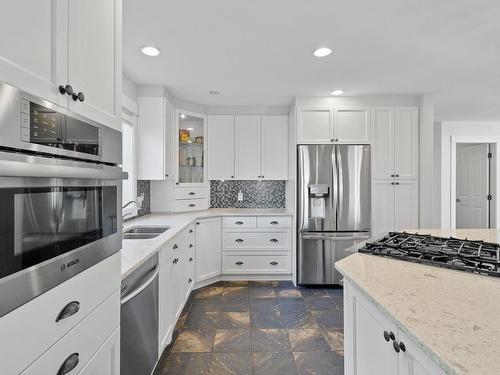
(337, 92)
(322, 52)
(183, 116)
(150, 51)
(214, 92)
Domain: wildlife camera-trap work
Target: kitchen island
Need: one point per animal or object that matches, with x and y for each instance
(407, 318)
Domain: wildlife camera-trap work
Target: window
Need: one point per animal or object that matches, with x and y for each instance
(129, 162)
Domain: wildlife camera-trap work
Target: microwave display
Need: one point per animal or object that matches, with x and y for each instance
(54, 129)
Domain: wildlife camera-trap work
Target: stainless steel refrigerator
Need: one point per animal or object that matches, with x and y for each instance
(334, 208)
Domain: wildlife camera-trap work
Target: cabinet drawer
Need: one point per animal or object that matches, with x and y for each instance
(278, 240)
(32, 328)
(255, 264)
(184, 205)
(239, 222)
(274, 222)
(191, 192)
(83, 341)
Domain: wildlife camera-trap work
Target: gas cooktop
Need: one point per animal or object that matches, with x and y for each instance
(466, 255)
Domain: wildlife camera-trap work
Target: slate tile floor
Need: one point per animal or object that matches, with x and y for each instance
(265, 327)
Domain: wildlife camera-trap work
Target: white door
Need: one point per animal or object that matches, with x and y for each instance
(169, 137)
(165, 311)
(208, 248)
(275, 147)
(107, 359)
(472, 186)
(220, 147)
(33, 47)
(94, 59)
(413, 361)
(177, 284)
(382, 206)
(382, 142)
(150, 139)
(315, 125)
(406, 204)
(247, 136)
(373, 354)
(406, 142)
(352, 125)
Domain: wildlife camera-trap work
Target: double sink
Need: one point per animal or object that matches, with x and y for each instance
(144, 232)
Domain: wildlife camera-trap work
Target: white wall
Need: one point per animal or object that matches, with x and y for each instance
(129, 88)
(460, 131)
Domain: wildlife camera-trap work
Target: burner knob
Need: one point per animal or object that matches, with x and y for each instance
(386, 336)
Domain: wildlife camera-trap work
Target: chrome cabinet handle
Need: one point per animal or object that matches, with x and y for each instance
(273, 223)
(70, 309)
(239, 263)
(239, 222)
(273, 263)
(69, 364)
(239, 240)
(273, 240)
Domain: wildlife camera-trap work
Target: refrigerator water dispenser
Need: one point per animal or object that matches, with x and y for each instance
(317, 200)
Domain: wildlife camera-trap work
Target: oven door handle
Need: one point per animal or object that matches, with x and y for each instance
(133, 294)
(326, 237)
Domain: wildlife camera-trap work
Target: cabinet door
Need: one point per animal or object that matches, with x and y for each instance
(315, 125)
(177, 285)
(165, 314)
(220, 147)
(94, 59)
(413, 361)
(352, 125)
(382, 142)
(107, 359)
(274, 147)
(33, 47)
(406, 142)
(208, 248)
(150, 139)
(169, 137)
(247, 136)
(373, 354)
(382, 206)
(406, 204)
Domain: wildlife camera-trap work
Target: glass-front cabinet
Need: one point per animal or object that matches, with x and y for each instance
(191, 148)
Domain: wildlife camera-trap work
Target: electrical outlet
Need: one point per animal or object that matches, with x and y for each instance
(240, 196)
(140, 199)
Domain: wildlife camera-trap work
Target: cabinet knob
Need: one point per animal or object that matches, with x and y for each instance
(395, 345)
(197, 223)
(232, 176)
(190, 259)
(70, 309)
(392, 183)
(239, 263)
(336, 139)
(190, 281)
(386, 336)
(273, 263)
(392, 336)
(66, 89)
(190, 231)
(175, 246)
(239, 240)
(69, 364)
(397, 175)
(402, 346)
(78, 96)
(392, 175)
(190, 245)
(166, 175)
(332, 140)
(262, 176)
(397, 183)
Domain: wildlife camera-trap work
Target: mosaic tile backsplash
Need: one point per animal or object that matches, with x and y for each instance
(256, 194)
(144, 187)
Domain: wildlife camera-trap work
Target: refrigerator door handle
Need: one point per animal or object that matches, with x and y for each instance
(334, 199)
(317, 236)
(340, 198)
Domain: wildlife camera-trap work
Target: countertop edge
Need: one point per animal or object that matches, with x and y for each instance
(443, 364)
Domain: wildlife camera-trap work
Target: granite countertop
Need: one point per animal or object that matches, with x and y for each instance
(454, 316)
(136, 252)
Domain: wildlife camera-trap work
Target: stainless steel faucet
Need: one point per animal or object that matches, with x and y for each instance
(129, 213)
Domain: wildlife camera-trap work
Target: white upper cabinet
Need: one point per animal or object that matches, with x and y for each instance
(315, 125)
(46, 44)
(394, 142)
(221, 147)
(33, 47)
(248, 146)
(155, 131)
(334, 125)
(274, 147)
(352, 125)
(406, 142)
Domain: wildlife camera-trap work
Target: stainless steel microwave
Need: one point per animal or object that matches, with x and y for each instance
(32, 124)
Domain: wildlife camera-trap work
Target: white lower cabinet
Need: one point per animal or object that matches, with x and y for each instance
(208, 248)
(373, 344)
(252, 264)
(107, 359)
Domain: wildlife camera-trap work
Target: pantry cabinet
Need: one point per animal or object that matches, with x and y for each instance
(208, 248)
(319, 125)
(155, 139)
(221, 147)
(374, 344)
(71, 42)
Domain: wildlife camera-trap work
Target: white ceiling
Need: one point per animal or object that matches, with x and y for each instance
(259, 52)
